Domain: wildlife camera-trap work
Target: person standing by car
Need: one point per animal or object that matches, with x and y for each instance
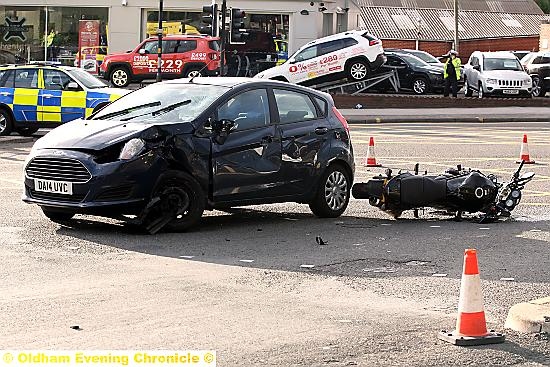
(451, 73)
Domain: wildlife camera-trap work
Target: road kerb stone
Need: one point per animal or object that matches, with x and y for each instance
(15, 139)
(530, 317)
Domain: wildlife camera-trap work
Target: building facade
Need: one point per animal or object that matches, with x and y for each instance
(50, 28)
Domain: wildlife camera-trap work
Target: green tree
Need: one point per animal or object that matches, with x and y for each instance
(544, 5)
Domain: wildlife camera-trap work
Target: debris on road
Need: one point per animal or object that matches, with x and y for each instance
(320, 241)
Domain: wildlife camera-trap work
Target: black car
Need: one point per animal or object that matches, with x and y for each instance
(414, 74)
(538, 67)
(163, 154)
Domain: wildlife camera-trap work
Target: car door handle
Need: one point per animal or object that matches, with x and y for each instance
(267, 140)
(321, 130)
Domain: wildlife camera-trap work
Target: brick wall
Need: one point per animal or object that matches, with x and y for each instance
(544, 37)
(438, 48)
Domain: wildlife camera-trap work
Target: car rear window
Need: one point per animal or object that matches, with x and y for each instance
(370, 37)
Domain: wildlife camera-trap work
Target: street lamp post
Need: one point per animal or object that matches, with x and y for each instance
(456, 24)
(159, 48)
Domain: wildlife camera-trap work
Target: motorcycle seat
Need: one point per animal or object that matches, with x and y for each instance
(422, 190)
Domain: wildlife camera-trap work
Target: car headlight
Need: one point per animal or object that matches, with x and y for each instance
(132, 149)
(491, 81)
(527, 81)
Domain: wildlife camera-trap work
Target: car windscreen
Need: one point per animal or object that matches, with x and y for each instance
(162, 103)
(88, 80)
(501, 64)
(425, 57)
(413, 60)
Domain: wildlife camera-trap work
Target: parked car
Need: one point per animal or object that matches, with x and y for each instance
(538, 67)
(520, 54)
(422, 55)
(182, 56)
(526, 59)
(352, 54)
(496, 74)
(414, 74)
(42, 94)
(167, 152)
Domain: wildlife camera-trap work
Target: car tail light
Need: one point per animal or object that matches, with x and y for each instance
(341, 118)
(213, 56)
(374, 42)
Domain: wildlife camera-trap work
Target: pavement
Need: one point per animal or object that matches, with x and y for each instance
(405, 115)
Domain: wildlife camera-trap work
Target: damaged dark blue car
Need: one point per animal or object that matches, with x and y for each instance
(163, 154)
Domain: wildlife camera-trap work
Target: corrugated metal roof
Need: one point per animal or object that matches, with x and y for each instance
(498, 6)
(438, 24)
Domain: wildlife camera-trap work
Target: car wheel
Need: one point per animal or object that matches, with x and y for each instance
(57, 217)
(480, 92)
(191, 73)
(467, 89)
(332, 196)
(6, 123)
(420, 85)
(27, 131)
(357, 70)
(120, 77)
(536, 90)
(179, 190)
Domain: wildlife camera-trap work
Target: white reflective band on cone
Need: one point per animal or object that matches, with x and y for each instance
(471, 299)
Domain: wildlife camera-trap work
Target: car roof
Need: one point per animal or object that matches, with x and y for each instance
(184, 36)
(355, 32)
(499, 54)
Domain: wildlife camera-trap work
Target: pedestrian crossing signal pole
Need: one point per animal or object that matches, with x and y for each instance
(159, 47)
(456, 24)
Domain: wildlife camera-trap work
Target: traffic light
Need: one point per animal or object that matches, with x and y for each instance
(237, 33)
(209, 15)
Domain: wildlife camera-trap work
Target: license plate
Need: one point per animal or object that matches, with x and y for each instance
(55, 187)
(510, 91)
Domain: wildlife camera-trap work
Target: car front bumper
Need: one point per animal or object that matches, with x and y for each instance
(500, 92)
(113, 189)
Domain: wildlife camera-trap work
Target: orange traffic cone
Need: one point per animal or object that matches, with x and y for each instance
(370, 160)
(471, 328)
(524, 154)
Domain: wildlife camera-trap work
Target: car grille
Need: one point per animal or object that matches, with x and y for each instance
(510, 83)
(56, 197)
(58, 169)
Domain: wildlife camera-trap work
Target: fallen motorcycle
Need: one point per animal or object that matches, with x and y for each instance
(454, 192)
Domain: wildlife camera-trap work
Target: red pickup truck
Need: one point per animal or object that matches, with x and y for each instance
(182, 56)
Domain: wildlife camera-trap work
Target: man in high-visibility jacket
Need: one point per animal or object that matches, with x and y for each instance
(451, 73)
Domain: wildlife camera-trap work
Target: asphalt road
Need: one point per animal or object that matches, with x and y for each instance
(254, 285)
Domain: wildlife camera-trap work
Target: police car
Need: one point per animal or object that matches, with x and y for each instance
(46, 95)
(351, 54)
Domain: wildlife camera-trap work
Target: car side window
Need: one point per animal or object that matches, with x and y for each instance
(186, 46)
(537, 60)
(475, 61)
(348, 42)
(395, 61)
(56, 79)
(294, 106)
(331, 46)
(546, 60)
(151, 47)
(322, 104)
(26, 78)
(6, 78)
(249, 109)
(307, 53)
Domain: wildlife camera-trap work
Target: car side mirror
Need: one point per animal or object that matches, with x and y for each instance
(143, 51)
(292, 61)
(476, 67)
(72, 86)
(222, 128)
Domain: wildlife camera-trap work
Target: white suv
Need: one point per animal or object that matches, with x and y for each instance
(351, 54)
(496, 73)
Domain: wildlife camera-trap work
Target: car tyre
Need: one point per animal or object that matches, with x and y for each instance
(420, 85)
(357, 70)
(179, 188)
(536, 90)
(193, 72)
(27, 131)
(120, 76)
(480, 92)
(6, 122)
(467, 88)
(57, 217)
(333, 192)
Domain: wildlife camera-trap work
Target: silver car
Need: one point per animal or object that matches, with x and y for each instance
(496, 74)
